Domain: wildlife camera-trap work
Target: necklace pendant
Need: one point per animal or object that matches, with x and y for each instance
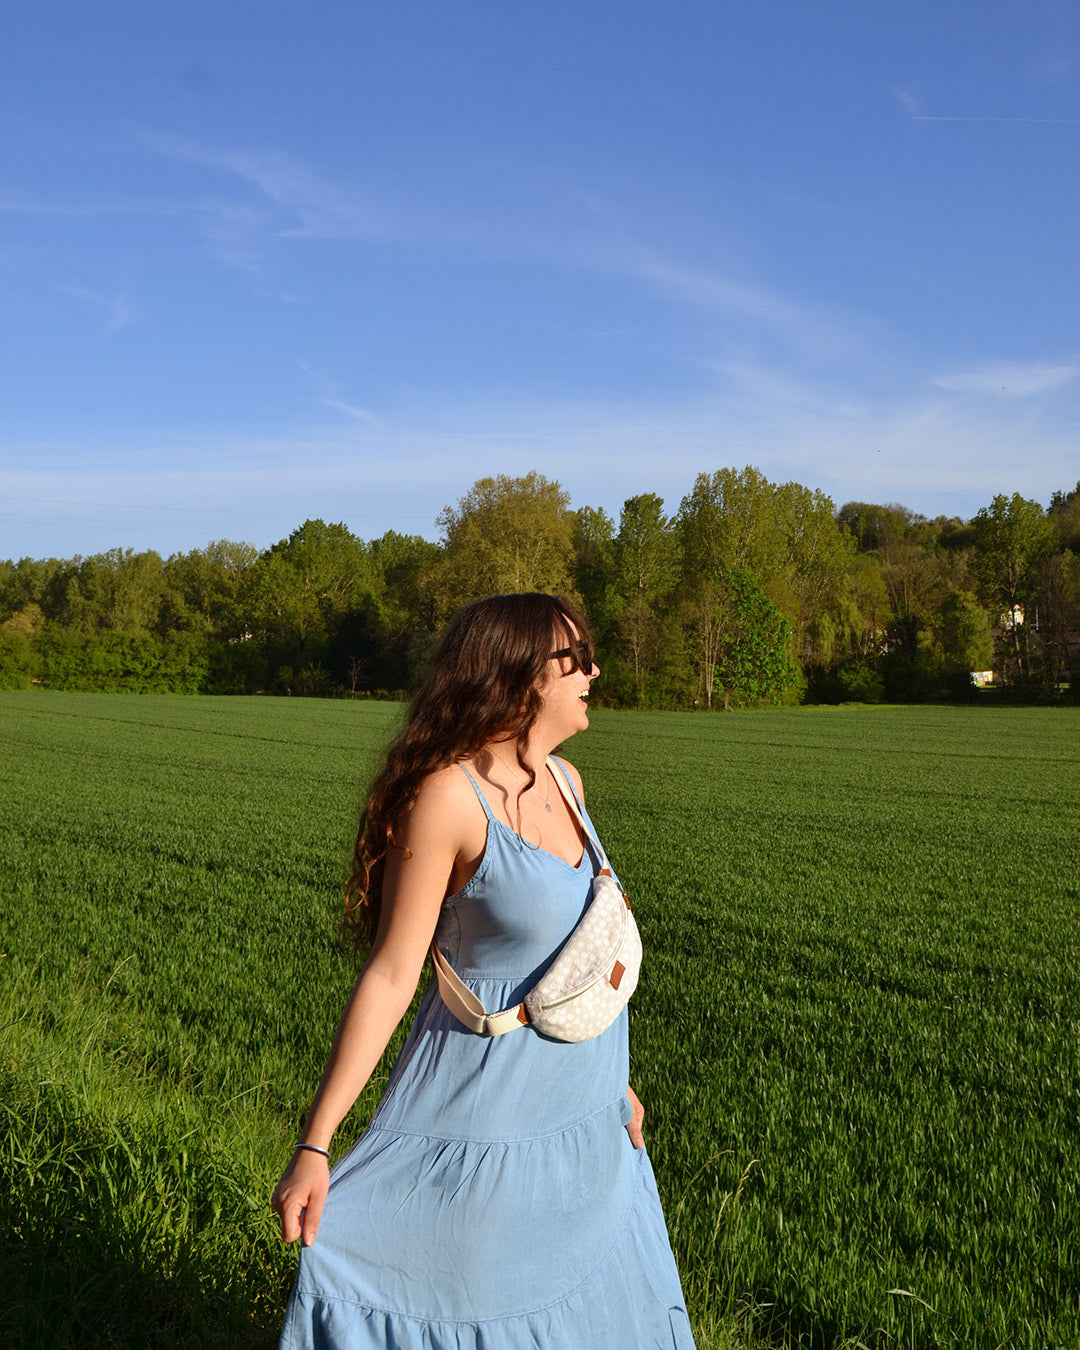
(547, 807)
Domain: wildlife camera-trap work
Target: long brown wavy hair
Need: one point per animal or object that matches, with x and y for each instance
(483, 686)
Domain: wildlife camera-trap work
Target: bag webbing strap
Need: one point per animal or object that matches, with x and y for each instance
(467, 1008)
(567, 791)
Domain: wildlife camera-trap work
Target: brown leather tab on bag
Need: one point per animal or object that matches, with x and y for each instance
(626, 900)
(618, 970)
(523, 1014)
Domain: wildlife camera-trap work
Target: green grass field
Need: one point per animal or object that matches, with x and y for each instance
(856, 1035)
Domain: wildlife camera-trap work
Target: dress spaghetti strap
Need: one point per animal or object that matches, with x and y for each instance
(476, 788)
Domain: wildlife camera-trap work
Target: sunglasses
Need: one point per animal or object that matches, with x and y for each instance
(581, 653)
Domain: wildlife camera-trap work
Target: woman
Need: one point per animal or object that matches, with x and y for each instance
(501, 1198)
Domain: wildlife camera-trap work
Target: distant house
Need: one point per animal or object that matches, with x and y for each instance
(981, 678)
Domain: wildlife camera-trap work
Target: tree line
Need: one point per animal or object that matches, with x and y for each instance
(749, 592)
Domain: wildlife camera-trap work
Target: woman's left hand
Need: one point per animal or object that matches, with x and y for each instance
(633, 1125)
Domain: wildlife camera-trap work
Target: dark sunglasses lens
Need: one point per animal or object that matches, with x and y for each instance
(581, 654)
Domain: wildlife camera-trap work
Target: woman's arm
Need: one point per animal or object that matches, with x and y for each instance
(414, 884)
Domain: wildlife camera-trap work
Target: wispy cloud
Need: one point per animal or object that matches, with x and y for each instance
(697, 286)
(329, 396)
(621, 248)
(741, 311)
(289, 202)
(234, 232)
(120, 311)
(909, 102)
(1009, 379)
(913, 106)
(983, 117)
(316, 208)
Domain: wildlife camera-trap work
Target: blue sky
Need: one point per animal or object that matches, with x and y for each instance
(261, 262)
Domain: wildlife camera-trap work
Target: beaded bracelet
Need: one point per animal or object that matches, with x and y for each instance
(314, 1148)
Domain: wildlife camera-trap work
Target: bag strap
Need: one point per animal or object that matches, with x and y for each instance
(466, 1007)
(455, 993)
(563, 784)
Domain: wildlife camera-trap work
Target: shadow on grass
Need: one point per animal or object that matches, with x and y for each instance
(73, 1282)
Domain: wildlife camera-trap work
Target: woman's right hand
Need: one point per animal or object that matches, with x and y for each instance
(300, 1195)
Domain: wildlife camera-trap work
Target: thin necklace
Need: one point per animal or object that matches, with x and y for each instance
(519, 774)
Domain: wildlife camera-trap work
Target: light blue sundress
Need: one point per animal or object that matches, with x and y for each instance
(496, 1202)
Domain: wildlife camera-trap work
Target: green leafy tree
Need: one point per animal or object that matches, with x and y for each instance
(873, 527)
(913, 622)
(870, 613)
(645, 574)
(729, 518)
(816, 557)
(725, 521)
(753, 663)
(964, 635)
(298, 588)
(119, 591)
(1058, 602)
(401, 567)
(594, 564)
(19, 662)
(30, 581)
(506, 534)
(382, 640)
(1065, 514)
(207, 583)
(913, 581)
(905, 545)
(1012, 538)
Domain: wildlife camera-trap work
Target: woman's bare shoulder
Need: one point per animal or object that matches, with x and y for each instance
(572, 774)
(445, 787)
(445, 807)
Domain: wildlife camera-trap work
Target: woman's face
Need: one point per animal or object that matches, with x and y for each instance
(565, 687)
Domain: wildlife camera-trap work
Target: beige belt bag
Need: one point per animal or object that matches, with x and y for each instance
(589, 982)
